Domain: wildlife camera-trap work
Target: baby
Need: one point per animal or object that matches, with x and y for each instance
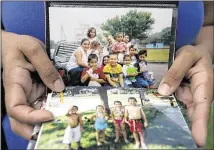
(134, 115)
(74, 128)
(119, 121)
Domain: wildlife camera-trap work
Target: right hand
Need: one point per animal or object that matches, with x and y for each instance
(20, 90)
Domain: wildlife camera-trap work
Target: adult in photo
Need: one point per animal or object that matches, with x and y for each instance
(78, 62)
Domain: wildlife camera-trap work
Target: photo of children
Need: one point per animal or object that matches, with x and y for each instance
(142, 33)
(147, 120)
(78, 123)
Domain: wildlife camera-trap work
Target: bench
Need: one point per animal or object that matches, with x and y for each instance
(61, 56)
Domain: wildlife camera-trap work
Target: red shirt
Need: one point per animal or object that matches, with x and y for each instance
(98, 73)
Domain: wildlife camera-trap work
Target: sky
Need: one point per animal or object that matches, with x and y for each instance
(72, 18)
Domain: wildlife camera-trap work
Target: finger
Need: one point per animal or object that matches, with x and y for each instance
(202, 89)
(38, 57)
(184, 94)
(23, 130)
(17, 108)
(186, 58)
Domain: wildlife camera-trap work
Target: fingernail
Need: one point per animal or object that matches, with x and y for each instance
(164, 89)
(59, 85)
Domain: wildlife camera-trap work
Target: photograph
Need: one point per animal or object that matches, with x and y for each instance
(143, 119)
(79, 117)
(111, 46)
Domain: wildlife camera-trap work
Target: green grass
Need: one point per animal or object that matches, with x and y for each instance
(52, 134)
(157, 55)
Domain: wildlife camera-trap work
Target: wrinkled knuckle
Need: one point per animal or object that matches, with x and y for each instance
(49, 71)
(173, 74)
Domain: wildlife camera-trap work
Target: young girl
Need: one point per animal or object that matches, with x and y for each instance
(130, 72)
(119, 47)
(95, 48)
(92, 73)
(100, 124)
(91, 35)
(119, 121)
(104, 62)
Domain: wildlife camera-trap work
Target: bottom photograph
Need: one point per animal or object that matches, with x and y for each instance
(97, 118)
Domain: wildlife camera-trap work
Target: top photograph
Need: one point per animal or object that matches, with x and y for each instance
(111, 46)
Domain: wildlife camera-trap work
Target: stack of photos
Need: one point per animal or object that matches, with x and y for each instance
(96, 118)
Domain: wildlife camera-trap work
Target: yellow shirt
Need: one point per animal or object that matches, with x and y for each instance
(113, 72)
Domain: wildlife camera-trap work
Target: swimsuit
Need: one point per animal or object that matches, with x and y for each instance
(100, 123)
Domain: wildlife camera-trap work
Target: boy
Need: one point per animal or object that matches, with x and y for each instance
(74, 128)
(133, 54)
(113, 72)
(143, 77)
(93, 73)
(133, 117)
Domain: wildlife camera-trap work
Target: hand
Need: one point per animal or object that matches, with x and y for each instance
(94, 68)
(20, 89)
(145, 124)
(199, 93)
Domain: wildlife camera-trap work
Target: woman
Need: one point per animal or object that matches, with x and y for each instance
(78, 62)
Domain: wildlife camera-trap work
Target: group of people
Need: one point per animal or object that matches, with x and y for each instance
(123, 67)
(132, 114)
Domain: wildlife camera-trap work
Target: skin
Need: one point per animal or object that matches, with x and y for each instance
(20, 90)
(127, 61)
(75, 120)
(92, 64)
(139, 137)
(198, 70)
(126, 39)
(92, 33)
(132, 51)
(120, 126)
(113, 62)
(142, 58)
(106, 60)
(85, 45)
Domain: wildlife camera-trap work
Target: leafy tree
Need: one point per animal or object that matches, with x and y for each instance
(135, 23)
(166, 35)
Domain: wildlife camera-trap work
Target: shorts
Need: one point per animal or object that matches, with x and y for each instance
(118, 121)
(72, 135)
(136, 126)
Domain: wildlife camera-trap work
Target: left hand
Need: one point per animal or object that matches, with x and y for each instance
(199, 94)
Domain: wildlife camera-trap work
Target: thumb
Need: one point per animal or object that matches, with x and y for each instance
(187, 57)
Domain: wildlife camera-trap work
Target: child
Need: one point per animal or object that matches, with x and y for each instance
(93, 73)
(133, 54)
(110, 44)
(143, 76)
(126, 40)
(119, 47)
(104, 62)
(91, 35)
(100, 124)
(113, 72)
(133, 117)
(129, 72)
(95, 48)
(119, 121)
(74, 128)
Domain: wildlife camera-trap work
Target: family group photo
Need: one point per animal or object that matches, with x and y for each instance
(110, 47)
(137, 119)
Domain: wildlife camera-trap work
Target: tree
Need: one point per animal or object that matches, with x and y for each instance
(163, 36)
(166, 35)
(135, 23)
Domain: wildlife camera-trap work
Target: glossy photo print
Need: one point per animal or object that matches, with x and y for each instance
(130, 119)
(113, 45)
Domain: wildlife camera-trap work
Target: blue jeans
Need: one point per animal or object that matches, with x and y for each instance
(75, 76)
(143, 82)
